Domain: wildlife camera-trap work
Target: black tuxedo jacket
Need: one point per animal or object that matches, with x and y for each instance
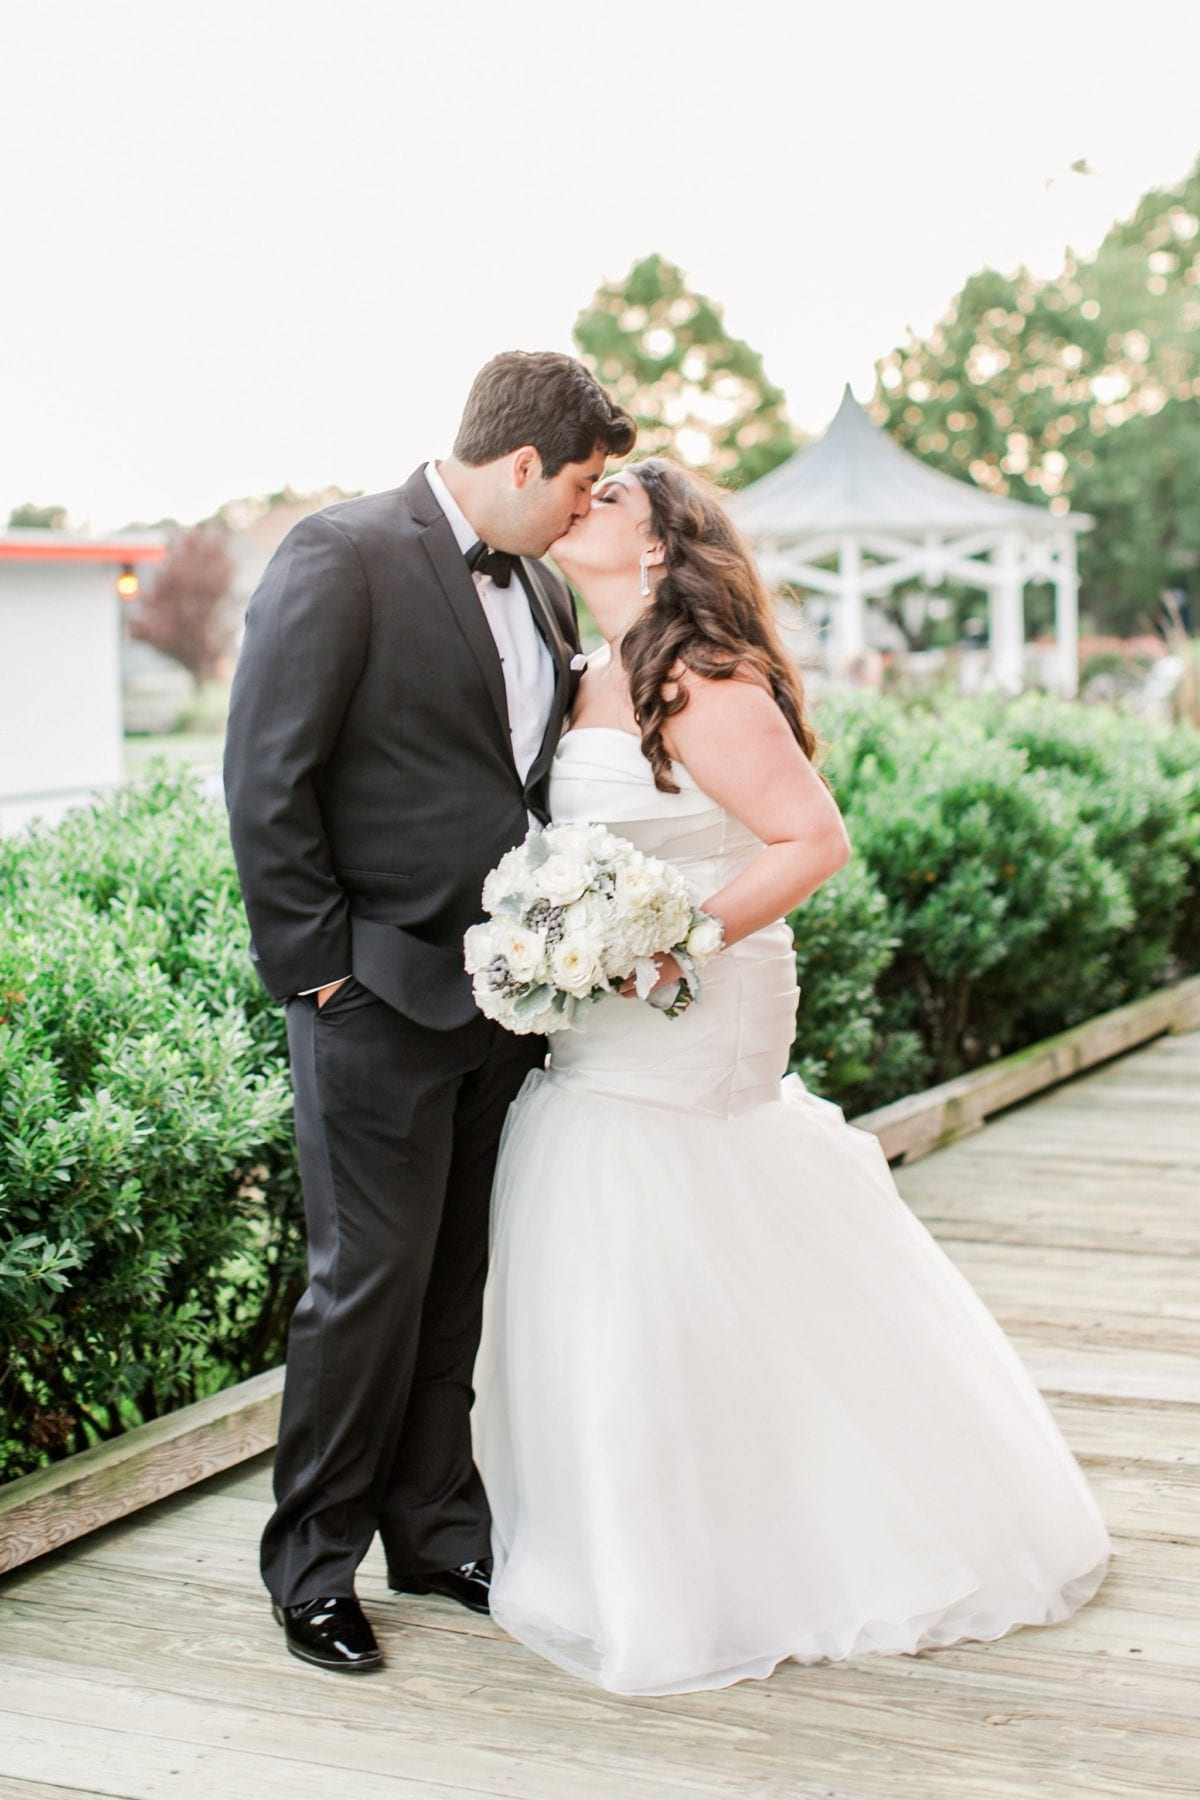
(368, 764)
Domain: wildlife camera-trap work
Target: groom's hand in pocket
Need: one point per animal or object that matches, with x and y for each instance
(327, 992)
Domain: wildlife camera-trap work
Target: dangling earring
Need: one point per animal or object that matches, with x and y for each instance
(645, 568)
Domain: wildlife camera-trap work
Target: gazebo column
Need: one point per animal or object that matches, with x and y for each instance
(851, 625)
(1006, 617)
(1066, 616)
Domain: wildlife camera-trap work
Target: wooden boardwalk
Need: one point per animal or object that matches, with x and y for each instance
(142, 1661)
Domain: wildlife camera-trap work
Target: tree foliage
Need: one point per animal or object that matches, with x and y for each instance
(29, 516)
(696, 392)
(182, 613)
(1080, 392)
(249, 510)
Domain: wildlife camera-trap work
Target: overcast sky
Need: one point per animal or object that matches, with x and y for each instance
(252, 242)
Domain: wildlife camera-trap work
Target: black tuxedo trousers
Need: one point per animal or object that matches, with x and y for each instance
(397, 1128)
(371, 786)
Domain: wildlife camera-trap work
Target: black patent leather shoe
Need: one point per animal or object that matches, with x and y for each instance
(470, 1584)
(331, 1634)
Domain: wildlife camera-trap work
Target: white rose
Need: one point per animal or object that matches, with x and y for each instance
(522, 949)
(705, 938)
(575, 967)
(574, 841)
(636, 886)
(562, 879)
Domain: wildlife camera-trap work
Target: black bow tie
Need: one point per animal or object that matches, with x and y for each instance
(496, 563)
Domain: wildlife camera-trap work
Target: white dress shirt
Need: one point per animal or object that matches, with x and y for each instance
(527, 664)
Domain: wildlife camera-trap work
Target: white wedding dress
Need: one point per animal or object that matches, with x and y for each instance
(735, 1404)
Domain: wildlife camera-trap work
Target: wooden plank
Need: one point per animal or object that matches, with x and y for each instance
(52, 1506)
(140, 1766)
(39, 1790)
(1148, 1374)
(912, 1127)
(1153, 1288)
(1108, 1430)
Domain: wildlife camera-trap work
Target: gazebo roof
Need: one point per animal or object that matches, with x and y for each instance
(855, 477)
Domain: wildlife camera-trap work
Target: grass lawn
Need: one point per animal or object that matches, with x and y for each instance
(201, 749)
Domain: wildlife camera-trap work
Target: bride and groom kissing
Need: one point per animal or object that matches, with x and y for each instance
(735, 1406)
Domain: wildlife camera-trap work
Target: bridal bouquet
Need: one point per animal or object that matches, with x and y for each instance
(575, 911)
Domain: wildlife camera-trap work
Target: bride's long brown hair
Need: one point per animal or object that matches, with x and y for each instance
(710, 611)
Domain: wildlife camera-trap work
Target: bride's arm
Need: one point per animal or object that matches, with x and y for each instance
(736, 744)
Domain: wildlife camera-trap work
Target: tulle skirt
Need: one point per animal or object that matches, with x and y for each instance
(735, 1405)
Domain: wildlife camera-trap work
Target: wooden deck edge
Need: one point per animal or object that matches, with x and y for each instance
(912, 1127)
(39, 1512)
(51, 1507)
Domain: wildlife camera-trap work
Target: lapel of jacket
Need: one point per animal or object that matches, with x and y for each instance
(546, 620)
(454, 577)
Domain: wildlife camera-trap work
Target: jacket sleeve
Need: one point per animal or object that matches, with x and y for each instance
(307, 633)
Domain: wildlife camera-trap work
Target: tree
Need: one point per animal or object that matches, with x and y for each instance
(1077, 391)
(181, 615)
(39, 518)
(696, 393)
(249, 510)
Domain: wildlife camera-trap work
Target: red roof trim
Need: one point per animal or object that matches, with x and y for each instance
(83, 553)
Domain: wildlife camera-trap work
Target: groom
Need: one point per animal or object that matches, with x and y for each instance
(405, 674)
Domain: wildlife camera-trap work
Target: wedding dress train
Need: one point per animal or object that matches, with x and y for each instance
(735, 1404)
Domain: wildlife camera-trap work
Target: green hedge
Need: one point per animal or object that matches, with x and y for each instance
(148, 1194)
(1018, 868)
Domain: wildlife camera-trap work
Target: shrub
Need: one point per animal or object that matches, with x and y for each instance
(1038, 861)
(1143, 821)
(844, 945)
(148, 1193)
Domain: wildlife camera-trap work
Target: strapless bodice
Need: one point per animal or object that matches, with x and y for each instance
(601, 776)
(727, 1053)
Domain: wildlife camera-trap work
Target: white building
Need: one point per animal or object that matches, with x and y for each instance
(60, 665)
(883, 518)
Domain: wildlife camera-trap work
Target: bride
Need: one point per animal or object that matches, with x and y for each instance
(735, 1404)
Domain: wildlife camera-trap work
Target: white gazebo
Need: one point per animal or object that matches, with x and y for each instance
(888, 518)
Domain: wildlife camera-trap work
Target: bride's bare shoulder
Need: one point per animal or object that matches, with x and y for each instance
(724, 703)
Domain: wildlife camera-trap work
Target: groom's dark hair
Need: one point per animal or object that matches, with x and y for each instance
(541, 398)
